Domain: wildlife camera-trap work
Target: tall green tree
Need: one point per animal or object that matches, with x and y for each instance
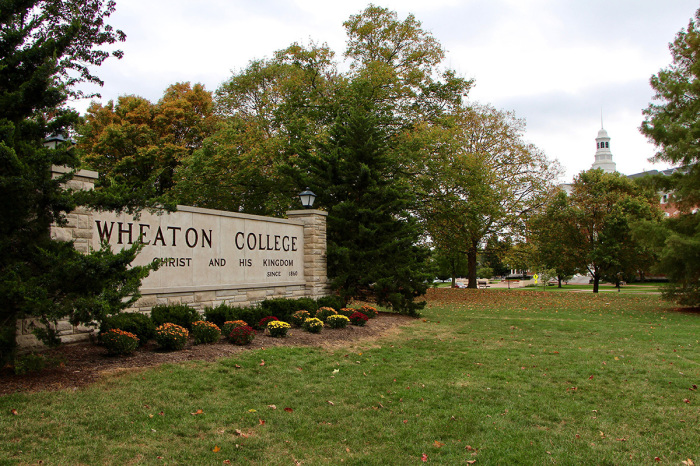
(373, 240)
(672, 122)
(47, 48)
(602, 211)
(556, 238)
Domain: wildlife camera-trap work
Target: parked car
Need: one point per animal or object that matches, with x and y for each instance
(460, 285)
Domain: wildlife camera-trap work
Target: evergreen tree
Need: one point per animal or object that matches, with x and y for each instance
(673, 124)
(372, 238)
(46, 48)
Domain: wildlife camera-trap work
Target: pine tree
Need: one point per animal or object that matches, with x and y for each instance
(46, 49)
(373, 240)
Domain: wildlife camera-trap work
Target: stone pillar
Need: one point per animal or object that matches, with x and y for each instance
(79, 226)
(315, 267)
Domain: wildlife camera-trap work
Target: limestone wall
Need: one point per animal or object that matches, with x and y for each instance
(241, 285)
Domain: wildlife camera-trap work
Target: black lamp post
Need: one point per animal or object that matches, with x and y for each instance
(307, 198)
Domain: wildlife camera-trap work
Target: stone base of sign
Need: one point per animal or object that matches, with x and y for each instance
(80, 229)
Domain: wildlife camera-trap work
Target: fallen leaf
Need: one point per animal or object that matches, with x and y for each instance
(199, 411)
(227, 461)
(686, 400)
(252, 410)
(272, 406)
(261, 421)
(347, 449)
(237, 367)
(688, 462)
(471, 461)
(216, 449)
(161, 413)
(14, 412)
(299, 368)
(590, 378)
(150, 415)
(335, 371)
(438, 444)
(262, 362)
(331, 403)
(469, 448)
(621, 439)
(289, 410)
(240, 434)
(405, 421)
(656, 458)
(424, 458)
(602, 435)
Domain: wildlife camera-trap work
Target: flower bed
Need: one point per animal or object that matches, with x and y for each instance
(205, 332)
(337, 321)
(278, 329)
(358, 319)
(313, 325)
(171, 336)
(119, 342)
(242, 335)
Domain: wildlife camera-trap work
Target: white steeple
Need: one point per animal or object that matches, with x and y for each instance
(603, 156)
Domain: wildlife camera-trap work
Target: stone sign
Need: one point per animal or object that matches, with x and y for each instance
(201, 249)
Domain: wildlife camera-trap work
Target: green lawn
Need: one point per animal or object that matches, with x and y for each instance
(521, 377)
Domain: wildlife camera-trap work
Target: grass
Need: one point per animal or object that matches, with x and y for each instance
(491, 377)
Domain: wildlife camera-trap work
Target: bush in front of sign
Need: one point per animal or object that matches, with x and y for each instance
(220, 314)
(324, 312)
(299, 317)
(359, 319)
(133, 322)
(278, 329)
(242, 335)
(119, 342)
(337, 321)
(229, 325)
(313, 325)
(205, 332)
(178, 314)
(171, 336)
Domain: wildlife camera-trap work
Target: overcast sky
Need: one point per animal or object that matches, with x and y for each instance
(555, 63)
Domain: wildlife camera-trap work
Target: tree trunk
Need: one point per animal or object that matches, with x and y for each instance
(559, 280)
(471, 265)
(596, 282)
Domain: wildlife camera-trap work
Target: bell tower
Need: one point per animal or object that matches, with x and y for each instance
(603, 156)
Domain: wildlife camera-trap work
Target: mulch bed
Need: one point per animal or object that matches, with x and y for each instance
(82, 364)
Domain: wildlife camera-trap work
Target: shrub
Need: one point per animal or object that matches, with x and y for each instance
(277, 328)
(369, 311)
(346, 311)
(359, 319)
(280, 307)
(264, 321)
(205, 332)
(299, 317)
(139, 324)
(178, 314)
(324, 312)
(242, 335)
(228, 326)
(33, 362)
(306, 304)
(220, 314)
(335, 302)
(119, 342)
(313, 325)
(171, 336)
(337, 321)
